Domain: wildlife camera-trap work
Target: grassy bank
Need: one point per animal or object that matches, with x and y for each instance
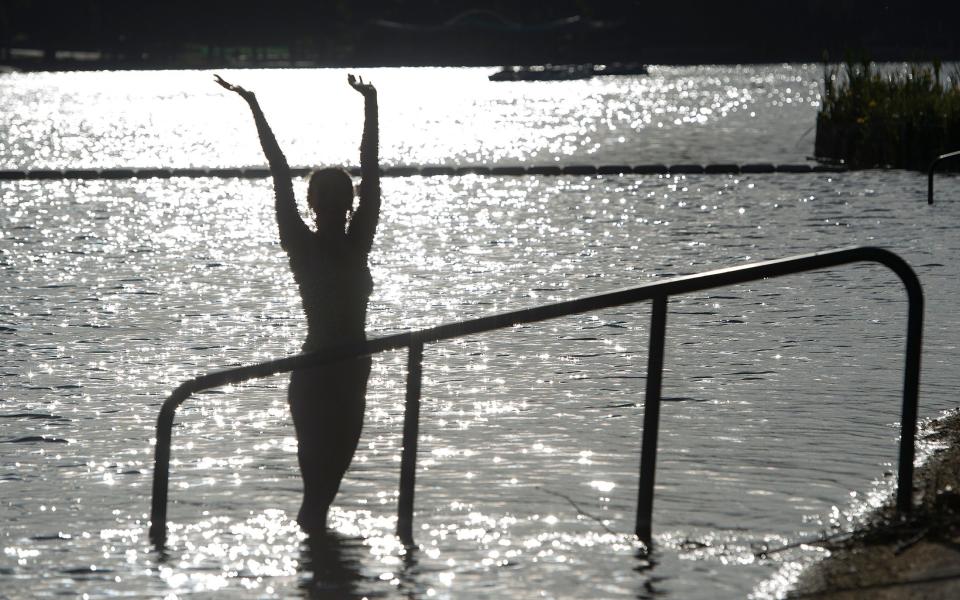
(875, 119)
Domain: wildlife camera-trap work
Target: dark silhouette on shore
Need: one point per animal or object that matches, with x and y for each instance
(330, 268)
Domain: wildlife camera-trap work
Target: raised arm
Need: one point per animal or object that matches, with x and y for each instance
(292, 227)
(363, 224)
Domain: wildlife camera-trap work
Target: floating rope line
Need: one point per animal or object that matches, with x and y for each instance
(430, 171)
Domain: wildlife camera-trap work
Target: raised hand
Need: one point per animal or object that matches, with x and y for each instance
(357, 83)
(245, 94)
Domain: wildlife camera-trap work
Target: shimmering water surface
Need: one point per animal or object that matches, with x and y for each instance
(782, 395)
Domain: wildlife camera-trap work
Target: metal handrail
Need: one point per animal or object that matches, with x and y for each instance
(933, 166)
(658, 292)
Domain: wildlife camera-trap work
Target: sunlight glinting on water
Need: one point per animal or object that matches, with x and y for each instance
(780, 395)
(428, 116)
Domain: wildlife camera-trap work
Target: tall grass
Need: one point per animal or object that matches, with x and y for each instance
(898, 119)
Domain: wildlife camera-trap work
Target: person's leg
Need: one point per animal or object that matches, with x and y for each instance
(327, 405)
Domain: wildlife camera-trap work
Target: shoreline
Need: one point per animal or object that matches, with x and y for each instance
(917, 557)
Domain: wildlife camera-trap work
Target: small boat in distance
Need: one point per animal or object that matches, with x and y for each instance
(566, 72)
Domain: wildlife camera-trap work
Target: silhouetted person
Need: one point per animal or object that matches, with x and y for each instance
(330, 267)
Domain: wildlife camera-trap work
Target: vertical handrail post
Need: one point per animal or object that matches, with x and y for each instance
(911, 392)
(408, 458)
(161, 465)
(651, 420)
(161, 476)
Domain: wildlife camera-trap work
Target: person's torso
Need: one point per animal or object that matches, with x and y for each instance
(335, 285)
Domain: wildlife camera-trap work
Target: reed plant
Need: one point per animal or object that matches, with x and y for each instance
(872, 117)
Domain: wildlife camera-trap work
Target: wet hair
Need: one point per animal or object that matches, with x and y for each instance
(331, 186)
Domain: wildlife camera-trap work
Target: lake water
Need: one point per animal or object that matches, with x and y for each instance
(782, 396)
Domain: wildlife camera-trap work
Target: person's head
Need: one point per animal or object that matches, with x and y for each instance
(330, 195)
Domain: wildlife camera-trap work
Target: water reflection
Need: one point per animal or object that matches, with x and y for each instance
(650, 583)
(174, 119)
(332, 566)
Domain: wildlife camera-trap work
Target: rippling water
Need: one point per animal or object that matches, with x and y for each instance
(782, 395)
(444, 116)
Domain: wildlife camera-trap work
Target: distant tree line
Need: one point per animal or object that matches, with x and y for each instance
(465, 32)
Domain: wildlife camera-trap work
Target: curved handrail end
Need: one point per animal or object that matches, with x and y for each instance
(932, 167)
